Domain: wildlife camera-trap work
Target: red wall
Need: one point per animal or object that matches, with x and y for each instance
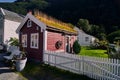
(33, 53)
(52, 38)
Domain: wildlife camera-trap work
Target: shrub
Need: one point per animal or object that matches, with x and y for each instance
(113, 35)
(76, 47)
(14, 41)
(113, 51)
(99, 45)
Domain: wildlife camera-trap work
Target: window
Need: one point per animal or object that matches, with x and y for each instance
(34, 40)
(0, 38)
(86, 39)
(29, 23)
(24, 40)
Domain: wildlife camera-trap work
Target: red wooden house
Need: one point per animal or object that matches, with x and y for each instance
(39, 33)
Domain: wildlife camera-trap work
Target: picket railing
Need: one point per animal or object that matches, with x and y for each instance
(94, 67)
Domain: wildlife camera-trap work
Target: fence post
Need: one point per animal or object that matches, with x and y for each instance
(55, 60)
(82, 64)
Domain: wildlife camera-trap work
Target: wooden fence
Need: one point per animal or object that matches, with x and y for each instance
(94, 67)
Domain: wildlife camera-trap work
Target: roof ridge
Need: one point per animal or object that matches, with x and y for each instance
(2, 10)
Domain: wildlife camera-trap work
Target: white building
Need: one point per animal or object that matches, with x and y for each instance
(9, 22)
(83, 38)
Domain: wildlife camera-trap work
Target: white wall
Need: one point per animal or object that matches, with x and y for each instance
(81, 39)
(10, 29)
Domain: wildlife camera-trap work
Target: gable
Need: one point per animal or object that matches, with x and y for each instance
(9, 15)
(33, 19)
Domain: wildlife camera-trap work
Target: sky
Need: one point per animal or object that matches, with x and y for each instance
(7, 0)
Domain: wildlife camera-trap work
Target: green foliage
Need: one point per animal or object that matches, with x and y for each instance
(14, 41)
(22, 0)
(98, 31)
(37, 4)
(22, 7)
(84, 25)
(99, 44)
(113, 35)
(76, 47)
(114, 50)
(95, 30)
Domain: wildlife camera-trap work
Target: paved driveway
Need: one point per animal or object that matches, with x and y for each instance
(6, 73)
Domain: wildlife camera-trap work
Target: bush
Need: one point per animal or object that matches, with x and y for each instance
(76, 47)
(99, 45)
(113, 51)
(14, 41)
(113, 35)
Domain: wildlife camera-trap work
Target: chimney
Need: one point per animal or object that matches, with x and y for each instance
(30, 11)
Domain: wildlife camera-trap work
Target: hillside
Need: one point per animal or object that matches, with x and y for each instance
(99, 12)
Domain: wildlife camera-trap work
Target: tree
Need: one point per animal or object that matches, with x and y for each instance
(84, 25)
(76, 47)
(113, 35)
(22, 0)
(98, 31)
(37, 4)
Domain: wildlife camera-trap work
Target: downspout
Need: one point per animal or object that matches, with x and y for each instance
(44, 42)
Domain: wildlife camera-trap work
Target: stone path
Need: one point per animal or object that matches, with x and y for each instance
(6, 73)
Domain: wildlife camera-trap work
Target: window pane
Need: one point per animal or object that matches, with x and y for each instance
(24, 40)
(34, 40)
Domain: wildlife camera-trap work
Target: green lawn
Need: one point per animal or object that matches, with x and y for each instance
(35, 71)
(86, 51)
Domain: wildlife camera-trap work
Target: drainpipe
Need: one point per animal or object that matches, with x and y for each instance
(44, 43)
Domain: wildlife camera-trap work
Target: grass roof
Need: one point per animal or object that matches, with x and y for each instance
(54, 23)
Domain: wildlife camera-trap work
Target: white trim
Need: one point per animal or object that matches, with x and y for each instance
(45, 40)
(59, 51)
(2, 11)
(37, 41)
(23, 44)
(29, 23)
(32, 18)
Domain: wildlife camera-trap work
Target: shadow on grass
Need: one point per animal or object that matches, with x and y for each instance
(35, 71)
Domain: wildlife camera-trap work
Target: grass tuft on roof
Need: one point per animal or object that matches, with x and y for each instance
(52, 22)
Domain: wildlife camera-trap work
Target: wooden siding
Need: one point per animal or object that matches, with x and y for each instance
(52, 38)
(33, 53)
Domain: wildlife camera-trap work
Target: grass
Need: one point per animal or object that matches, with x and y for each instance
(52, 22)
(86, 51)
(35, 71)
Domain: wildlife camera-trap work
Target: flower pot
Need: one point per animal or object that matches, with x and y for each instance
(20, 64)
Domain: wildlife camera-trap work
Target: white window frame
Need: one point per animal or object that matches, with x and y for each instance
(29, 23)
(24, 40)
(34, 43)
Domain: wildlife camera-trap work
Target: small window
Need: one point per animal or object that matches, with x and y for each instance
(29, 23)
(34, 40)
(24, 40)
(86, 39)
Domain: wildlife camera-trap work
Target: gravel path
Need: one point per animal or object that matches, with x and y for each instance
(10, 76)
(6, 73)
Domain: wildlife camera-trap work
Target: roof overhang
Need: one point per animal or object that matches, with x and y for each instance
(61, 31)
